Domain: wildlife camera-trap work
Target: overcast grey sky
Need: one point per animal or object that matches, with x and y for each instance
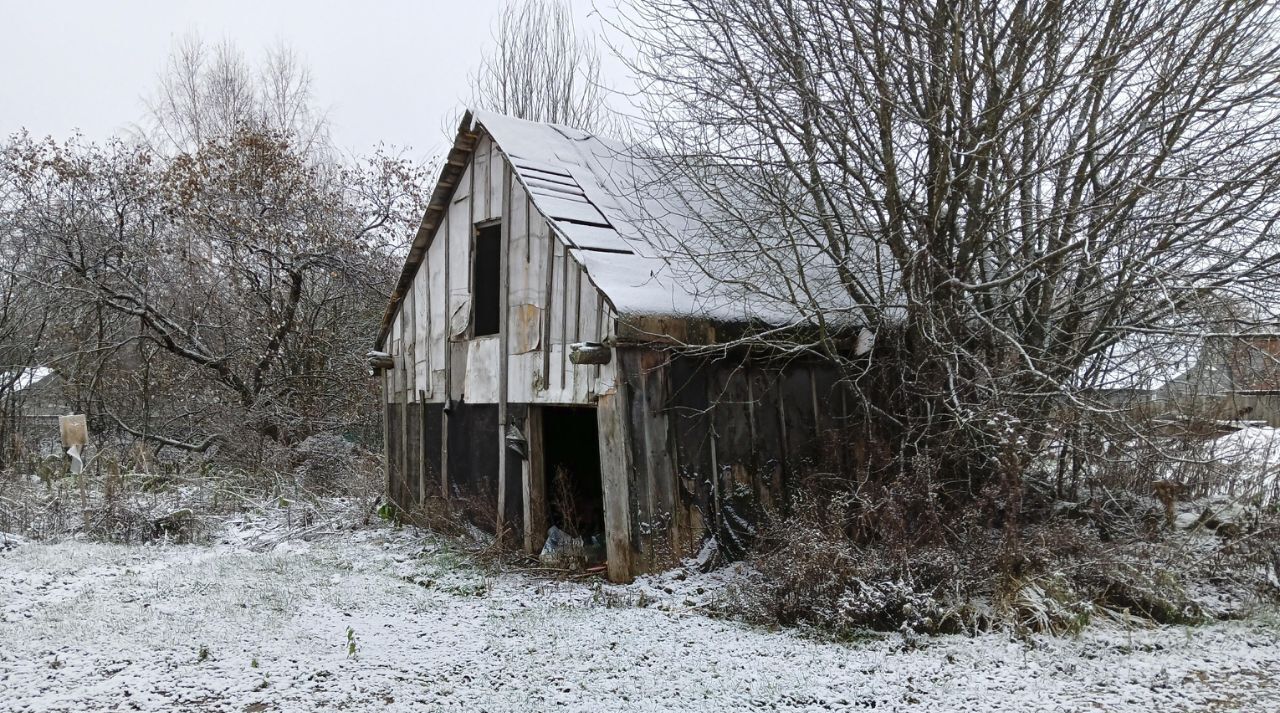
(385, 70)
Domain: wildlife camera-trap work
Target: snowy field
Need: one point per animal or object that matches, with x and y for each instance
(264, 623)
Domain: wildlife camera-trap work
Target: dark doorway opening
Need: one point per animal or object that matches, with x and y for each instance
(486, 280)
(571, 463)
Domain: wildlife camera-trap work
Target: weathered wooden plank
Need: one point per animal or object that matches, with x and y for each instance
(422, 324)
(801, 427)
(451, 226)
(767, 438)
(529, 217)
(583, 307)
(832, 448)
(643, 497)
(401, 384)
(473, 470)
(461, 351)
(480, 182)
(385, 376)
(566, 261)
(504, 345)
(713, 475)
(549, 315)
(526, 303)
(482, 369)
(437, 264)
(596, 336)
(615, 470)
(395, 464)
(689, 413)
(578, 313)
(408, 318)
(413, 432)
(413, 452)
(735, 456)
(519, 268)
(514, 481)
(534, 481)
(669, 536)
(498, 183)
(735, 448)
(432, 448)
(474, 214)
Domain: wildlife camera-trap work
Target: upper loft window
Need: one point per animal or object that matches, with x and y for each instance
(486, 280)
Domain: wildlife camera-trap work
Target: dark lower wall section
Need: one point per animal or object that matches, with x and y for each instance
(694, 447)
(412, 436)
(718, 444)
(432, 448)
(397, 485)
(415, 440)
(473, 458)
(516, 413)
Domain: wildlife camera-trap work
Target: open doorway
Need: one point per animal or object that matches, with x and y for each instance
(571, 464)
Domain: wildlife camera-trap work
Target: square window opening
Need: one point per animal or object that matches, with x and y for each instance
(486, 280)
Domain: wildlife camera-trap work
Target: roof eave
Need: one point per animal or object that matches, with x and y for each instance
(464, 144)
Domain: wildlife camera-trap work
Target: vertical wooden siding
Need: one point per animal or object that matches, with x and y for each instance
(548, 304)
(715, 444)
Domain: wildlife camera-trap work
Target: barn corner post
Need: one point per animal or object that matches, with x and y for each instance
(615, 475)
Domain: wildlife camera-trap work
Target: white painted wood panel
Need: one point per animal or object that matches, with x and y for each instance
(409, 345)
(540, 324)
(422, 330)
(480, 383)
(459, 257)
(494, 182)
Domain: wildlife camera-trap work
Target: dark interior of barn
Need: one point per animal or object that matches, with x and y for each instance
(571, 452)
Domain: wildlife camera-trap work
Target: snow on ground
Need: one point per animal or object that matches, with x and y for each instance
(1251, 457)
(256, 623)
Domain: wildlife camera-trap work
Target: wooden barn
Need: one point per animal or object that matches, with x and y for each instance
(544, 363)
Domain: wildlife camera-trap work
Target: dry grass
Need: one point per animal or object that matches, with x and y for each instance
(1147, 541)
(182, 501)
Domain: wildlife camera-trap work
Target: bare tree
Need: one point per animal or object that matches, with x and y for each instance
(24, 318)
(216, 278)
(218, 293)
(209, 91)
(540, 68)
(1001, 191)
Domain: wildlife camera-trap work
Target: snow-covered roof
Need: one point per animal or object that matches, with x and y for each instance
(25, 378)
(636, 230)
